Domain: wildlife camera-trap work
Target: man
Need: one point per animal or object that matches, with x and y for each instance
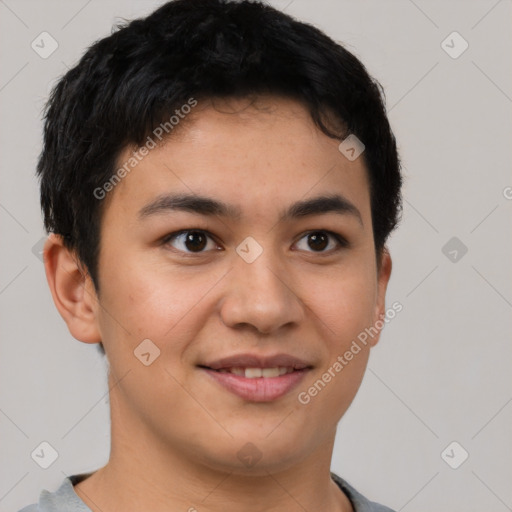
(219, 182)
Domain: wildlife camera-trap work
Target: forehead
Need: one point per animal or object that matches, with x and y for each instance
(252, 154)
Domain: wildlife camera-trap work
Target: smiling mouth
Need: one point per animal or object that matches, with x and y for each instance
(255, 384)
(256, 373)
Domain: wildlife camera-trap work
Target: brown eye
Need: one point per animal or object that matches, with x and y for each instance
(190, 241)
(319, 241)
(195, 241)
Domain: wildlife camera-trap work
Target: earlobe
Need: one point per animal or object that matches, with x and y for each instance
(72, 290)
(383, 276)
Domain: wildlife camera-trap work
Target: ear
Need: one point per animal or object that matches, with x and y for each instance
(72, 290)
(383, 275)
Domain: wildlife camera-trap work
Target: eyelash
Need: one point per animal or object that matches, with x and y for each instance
(342, 242)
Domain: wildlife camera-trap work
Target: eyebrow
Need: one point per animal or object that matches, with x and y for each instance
(202, 205)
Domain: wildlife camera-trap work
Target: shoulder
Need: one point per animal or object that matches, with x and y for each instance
(359, 502)
(30, 508)
(64, 499)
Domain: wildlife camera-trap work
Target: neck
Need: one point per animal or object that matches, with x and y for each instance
(145, 473)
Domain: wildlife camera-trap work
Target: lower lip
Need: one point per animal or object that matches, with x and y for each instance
(260, 389)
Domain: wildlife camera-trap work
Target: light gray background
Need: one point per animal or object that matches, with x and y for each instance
(441, 371)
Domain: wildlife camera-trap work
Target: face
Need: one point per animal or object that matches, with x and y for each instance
(242, 249)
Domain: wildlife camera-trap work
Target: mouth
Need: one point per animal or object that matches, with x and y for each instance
(257, 379)
(256, 373)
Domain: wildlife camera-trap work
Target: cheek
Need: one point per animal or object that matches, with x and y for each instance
(330, 390)
(344, 303)
(143, 301)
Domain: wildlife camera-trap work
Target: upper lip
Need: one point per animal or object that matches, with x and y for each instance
(257, 361)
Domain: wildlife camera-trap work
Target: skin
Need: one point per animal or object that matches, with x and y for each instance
(175, 432)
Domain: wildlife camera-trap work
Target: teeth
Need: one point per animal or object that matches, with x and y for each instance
(270, 372)
(255, 373)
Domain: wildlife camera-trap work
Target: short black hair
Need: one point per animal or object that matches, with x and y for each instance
(128, 83)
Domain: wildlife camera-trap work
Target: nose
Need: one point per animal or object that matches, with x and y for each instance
(261, 295)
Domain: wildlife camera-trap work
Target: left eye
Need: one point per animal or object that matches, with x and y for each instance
(194, 241)
(319, 241)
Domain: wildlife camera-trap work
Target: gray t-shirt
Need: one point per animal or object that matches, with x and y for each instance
(65, 499)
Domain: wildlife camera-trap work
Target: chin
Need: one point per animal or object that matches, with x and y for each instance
(256, 453)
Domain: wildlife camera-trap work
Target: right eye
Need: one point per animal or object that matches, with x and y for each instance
(190, 241)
